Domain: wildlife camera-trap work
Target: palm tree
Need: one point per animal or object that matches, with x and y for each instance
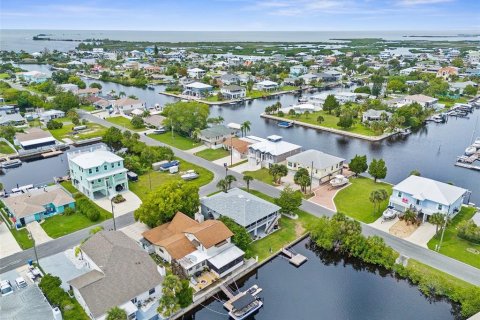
(196, 133)
(247, 180)
(437, 219)
(229, 179)
(121, 93)
(377, 197)
(222, 184)
(116, 313)
(245, 127)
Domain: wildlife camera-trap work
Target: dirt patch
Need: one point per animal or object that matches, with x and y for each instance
(299, 229)
(402, 230)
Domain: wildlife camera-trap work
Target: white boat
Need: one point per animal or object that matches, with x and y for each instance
(389, 213)
(470, 150)
(11, 163)
(476, 144)
(303, 100)
(190, 175)
(339, 181)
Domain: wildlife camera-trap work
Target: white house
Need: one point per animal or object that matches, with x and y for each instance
(196, 73)
(375, 115)
(120, 274)
(270, 151)
(324, 165)
(233, 92)
(51, 114)
(214, 136)
(197, 89)
(68, 87)
(266, 85)
(427, 196)
(298, 70)
(423, 100)
(34, 138)
(126, 105)
(301, 108)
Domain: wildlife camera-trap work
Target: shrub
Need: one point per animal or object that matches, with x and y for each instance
(52, 125)
(68, 211)
(88, 209)
(469, 231)
(93, 214)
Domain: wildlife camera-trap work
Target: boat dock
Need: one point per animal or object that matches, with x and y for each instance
(467, 162)
(242, 304)
(294, 258)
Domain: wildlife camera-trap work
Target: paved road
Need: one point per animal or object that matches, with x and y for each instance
(436, 260)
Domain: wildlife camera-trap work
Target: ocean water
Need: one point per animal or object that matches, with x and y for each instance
(17, 40)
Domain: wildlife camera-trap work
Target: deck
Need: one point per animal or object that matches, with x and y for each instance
(294, 258)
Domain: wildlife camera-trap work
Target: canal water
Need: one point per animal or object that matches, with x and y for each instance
(329, 286)
(432, 150)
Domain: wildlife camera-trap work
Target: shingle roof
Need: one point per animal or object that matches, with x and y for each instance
(241, 206)
(210, 232)
(32, 134)
(126, 272)
(215, 131)
(320, 160)
(28, 303)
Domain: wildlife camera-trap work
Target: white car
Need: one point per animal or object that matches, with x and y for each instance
(6, 288)
(21, 283)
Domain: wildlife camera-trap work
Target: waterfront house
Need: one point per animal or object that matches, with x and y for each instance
(324, 165)
(270, 151)
(196, 73)
(229, 79)
(302, 108)
(233, 92)
(309, 77)
(88, 92)
(257, 216)
(37, 204)
(326, 77)
(298, 70)
(32, 76)
(458, 87)
(421, 99)
(51, 114)
(266, 85)
(119, 274)
(68, 87)
(195, 246)
(447, 72)
(239, 147)
(97, 173)
(214, 136)
(375, 115)
(127, 105)
(334, 73)
(427, 196)
(34, 138)
(197, 89)
(12, 119)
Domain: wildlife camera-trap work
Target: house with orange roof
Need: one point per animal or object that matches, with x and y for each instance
(447, 72)
(195, 246)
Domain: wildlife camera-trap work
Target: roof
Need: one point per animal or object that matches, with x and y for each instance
(127, 102)
(427, 189)
(267, 83)
(216, 130)
(14, 305)
(14, 117)
(274, 148)
(210, 232)
(123, 266)
(239, 145)
(243, 301)
(226, 256)
(376, 113)
(35, 200)
(93, 158)
(31, 135)
(154, 120)
(241, 206)
(320, 160)
(420, 98)
(233, 87)
(198, 85)
(195, 70)
(88, 91)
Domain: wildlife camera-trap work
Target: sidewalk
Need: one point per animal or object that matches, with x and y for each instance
(8, 244)
(38, 234)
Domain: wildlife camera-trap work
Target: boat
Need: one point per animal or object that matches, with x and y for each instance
(151, 88)
(405, 132)
(285, 124)
(389, 213)
(245, 304)
(470, 150)
(302, 100)
(233, 103)
(11, 163)
(338, 181)
(190, 175)
(476, 144)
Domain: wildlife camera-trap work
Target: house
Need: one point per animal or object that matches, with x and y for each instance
(324, 165)
(326, 77)
(345, 96)
(298, 70)
(460, 86)
(238, 146)
(266, 85)
(333, 73)
(195, 246)
(154, 120)
(196, 73)
(427, 196)
(214, 136)
(127, 105)
(447, 72)
(197, 89)
(375, 115)
(37, 204)
(13, 305)
(34, 138)
(97, 173)
(407, 71)
(229, 79)
(120, 274)
(88, 92)
(233, 92)
(32, 76)
(51, 114)
(68, 87)
(329, 60)
(257, 216)
(423, 100)
(309, 77)
(270, 151)
(12, 119)
(302, 108)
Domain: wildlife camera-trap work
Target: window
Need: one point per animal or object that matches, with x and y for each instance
(113, 165)
(99, 180)
(440, 207)
(89, 170)
(118, 164)
(399, 194)
(105, 167)
(151, 291)
(96, 169)
(134, 300)
(417, 202)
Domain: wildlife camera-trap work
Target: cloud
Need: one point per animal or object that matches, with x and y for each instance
(421, 2)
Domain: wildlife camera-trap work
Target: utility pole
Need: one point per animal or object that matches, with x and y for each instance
(113, 215)
(311, 177)
(30, 235)
(231, 150)
(443, 232)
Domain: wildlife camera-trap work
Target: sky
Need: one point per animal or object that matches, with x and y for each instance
(241, 15)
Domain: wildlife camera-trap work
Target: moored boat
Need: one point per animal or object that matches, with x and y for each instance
(285, 124)
(470, 150)
(11, 163)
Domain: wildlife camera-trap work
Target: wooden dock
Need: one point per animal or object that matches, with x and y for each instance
(467, 162)
(294, 258)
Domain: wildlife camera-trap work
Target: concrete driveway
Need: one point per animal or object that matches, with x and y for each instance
(8, 244)
(38, 233)
(420, 236)
(131, 204)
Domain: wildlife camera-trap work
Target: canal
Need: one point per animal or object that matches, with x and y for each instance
(432, 150)
(329, 286)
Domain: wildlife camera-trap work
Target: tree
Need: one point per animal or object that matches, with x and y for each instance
(457, 62)
(396, 85)
(8, 132)
(376, 89)
(289, 200)
(137, 122)
(377, 169)
(95, 85)
(410, 216)
(245, 127)
(320, 119)
(230, 179)
(241, 238)
(470, 90)
(277, 171)
(164, 202)
(116, 313)
(66, 101)
(364, 89)
(358, 164)
(185, 117)
(122, 94)
(415, 173)
(53, 124)
(345, 121)
(169, 303)
(247, 180)
(155, 51)
(302, 178)
(113, 138)
(377, 197)
(222, 184)
(330, 104)
(437, 219)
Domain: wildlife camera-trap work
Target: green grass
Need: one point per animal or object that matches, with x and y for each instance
(124, 122)
(22, 238)
(93, 130)
(142, 187)
(450, 102)
(354, 199)
(35, 123)
(261, 175)
(4, 76)
(212, 98)
(88, 108)
(212, 154)
(455, 247)
(330, 121)
(238, 163)
(5, 148)
(179, 142)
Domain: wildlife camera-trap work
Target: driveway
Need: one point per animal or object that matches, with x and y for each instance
(135, 230)
(8, 244)
(131, 204)
(227, 159)
(420, 236)
(324, 196)
(197, 149)
(38, 234)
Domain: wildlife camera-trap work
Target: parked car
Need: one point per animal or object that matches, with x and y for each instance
(132, 176)
(168, 165)
(6, 288)
(159, 130)
(21, 283)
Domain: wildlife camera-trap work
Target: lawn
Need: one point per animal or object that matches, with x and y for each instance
(330, 121)
(124, 122)
(93, 130)
(179, 142)
(22, 238)
(212, 154)
(5, 148)
(88, 108)
(455, 247)
(450, 102)
(261, 175)
(354, 199)
(257, 94)
(4, 76)
(157, 178)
